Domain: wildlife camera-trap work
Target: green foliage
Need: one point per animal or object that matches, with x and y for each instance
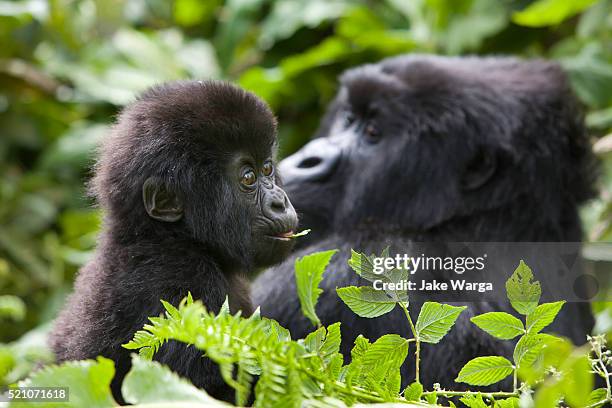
(88, 381)
(435, 320)
(485, 370)
(149, 382)
(366, 301)
(88, 384)
(257, 355)
(524, 294)
(474, 401)
(499, 324)
(308, 275)
(363, 265)
(542, 316)
(413, 392)
(12, 307)
(528, 348)
(19, 358)
(290, 372)
(544, 13)
(537, 355)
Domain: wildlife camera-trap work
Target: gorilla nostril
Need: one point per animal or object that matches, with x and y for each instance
(277, 205)
(309, 162)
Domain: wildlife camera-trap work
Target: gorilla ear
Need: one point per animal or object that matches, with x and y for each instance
(479, 170)
(161, 204)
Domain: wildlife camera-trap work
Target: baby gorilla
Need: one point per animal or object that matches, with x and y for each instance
(192, 202)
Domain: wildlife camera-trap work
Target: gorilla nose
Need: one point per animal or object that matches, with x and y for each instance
(313, 162)
(278, 207)
(278, 203)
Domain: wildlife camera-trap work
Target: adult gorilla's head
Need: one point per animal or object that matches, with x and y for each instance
(415, 141)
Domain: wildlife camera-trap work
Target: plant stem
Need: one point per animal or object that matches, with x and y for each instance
(599, 403)
(462, 393)
(515, 380)
(416, 339)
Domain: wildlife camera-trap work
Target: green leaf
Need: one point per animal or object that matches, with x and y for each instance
(366, 301)
(596, 396)
(473, 401)
(390, 349)
(225, 308)
(499, 324)
(523, 294)
(543, 13)
(286, 17)
(12, 307)
(150, 382)
(542, 316)
(435, 320)
(361, 346)
(529, 347)
(577, 380)
(485, 370)
(432, 398)
(554, 351)
(300, 234)
(325, 343)
(507, 403)
(308, 275)
(88, 382)
(413, 392)
(363, 266)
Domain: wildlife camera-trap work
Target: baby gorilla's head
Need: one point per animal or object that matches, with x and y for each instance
(196, 160)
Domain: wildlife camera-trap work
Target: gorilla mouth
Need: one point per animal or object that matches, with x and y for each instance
(282, 236)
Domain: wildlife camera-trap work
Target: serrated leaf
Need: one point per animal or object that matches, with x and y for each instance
(596, 396)
(88, 382)
(512, 402)
(366, 301)
(473, 401)
(361, 346)
(523, 294)
(542, 316)
(528, 348)
(435, 320)
(389, 349)
(171, 310)
(499, 324)
(485, 370)
(151, 382)
(413, 392)
(363, 266)
(225, 308)
(324, 342)
(432, 398)
(308, 275)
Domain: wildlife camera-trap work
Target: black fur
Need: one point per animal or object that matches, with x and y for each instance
(460, 150)
(185, 135)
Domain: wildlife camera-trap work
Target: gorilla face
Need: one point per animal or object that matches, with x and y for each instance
(403, 152)
(413, 142)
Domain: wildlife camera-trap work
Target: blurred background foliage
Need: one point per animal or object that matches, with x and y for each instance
(67, 67)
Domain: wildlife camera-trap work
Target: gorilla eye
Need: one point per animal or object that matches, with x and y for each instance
(372, 133)
(248, 178)
(267, 169)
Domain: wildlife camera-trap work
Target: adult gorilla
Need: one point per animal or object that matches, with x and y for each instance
(436, 149)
